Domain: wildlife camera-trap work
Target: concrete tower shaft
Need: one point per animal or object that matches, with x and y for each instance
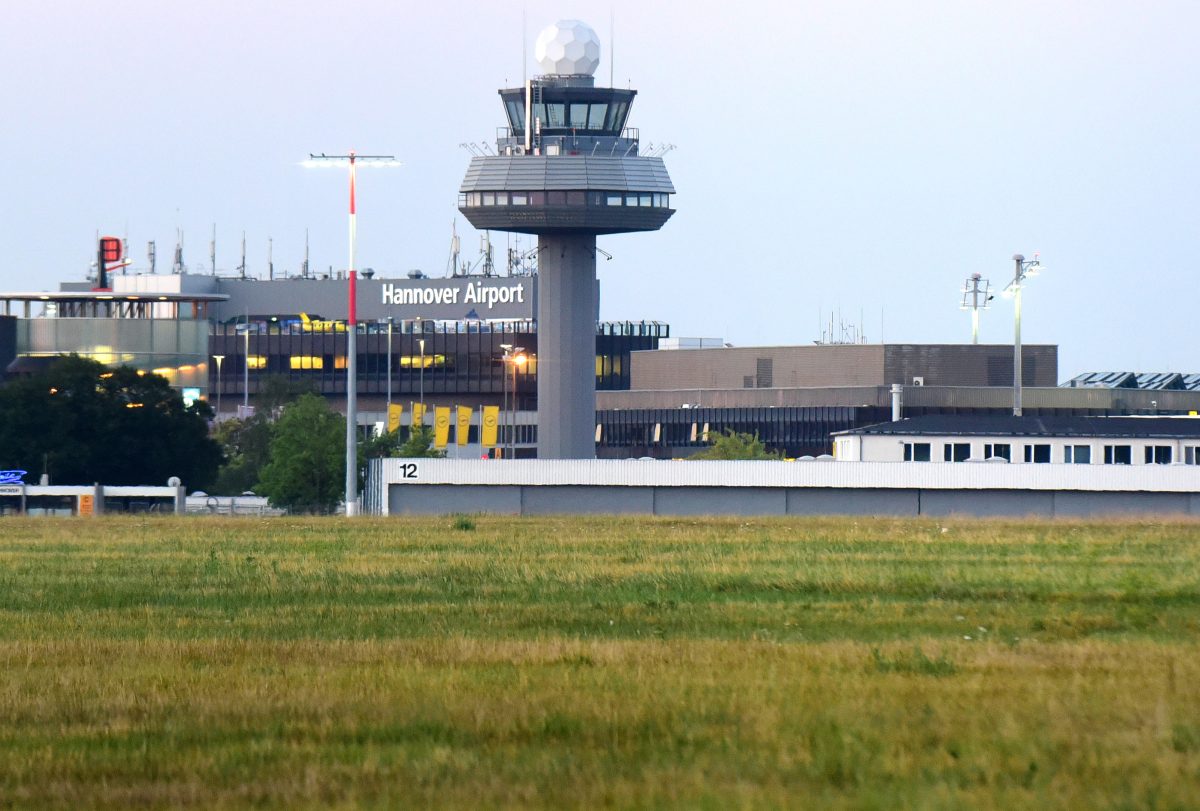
(567, 169)
(568, 300)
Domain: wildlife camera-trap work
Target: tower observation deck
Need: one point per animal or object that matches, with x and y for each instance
(567, 169)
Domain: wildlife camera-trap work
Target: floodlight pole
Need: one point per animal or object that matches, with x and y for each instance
(351, 160)
(1023, 269)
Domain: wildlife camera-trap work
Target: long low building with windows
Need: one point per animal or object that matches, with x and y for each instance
(1025, 440)
(444, 342)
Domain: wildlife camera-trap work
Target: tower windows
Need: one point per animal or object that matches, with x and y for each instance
(564, 198)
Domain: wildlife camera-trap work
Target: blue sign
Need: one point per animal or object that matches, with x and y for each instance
(12, 476)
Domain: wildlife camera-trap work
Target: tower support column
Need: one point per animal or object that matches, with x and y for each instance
(568, 304)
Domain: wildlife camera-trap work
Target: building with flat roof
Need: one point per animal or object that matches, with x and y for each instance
(1025, 440)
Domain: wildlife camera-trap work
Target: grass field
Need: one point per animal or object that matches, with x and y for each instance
(492, 662)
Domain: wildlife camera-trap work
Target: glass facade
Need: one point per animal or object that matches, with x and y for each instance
(437, 358)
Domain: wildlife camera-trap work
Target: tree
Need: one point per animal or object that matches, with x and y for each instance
(307, 468)
(420, 444)
(82, 422)
(247, 448)
(729, 445)
(276, 391)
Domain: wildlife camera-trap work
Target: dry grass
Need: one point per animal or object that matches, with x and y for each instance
(590, 662)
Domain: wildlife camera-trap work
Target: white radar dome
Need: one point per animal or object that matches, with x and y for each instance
(568, 48)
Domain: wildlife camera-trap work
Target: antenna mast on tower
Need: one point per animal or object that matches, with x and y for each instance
(177, 264)
(976, 294)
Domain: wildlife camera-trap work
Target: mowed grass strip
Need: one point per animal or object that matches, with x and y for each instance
(599, 662)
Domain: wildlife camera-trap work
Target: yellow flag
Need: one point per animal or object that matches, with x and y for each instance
(394, 413)
(418, 417)
(441, 426)
(491, 419)
(464, 425)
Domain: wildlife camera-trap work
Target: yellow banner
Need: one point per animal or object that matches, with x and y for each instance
(394, 414)
(491, 420)
(441, 426)
(418, 417)
(464, 425)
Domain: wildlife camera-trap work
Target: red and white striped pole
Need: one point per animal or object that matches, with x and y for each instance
(352, 160)
(352, 362)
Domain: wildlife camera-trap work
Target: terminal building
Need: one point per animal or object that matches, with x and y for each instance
(445, 340)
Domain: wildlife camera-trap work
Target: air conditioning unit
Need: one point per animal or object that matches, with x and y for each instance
(918, 381)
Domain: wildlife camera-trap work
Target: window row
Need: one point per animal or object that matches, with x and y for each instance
(575, 115)
(1044, 453)
(564, 198)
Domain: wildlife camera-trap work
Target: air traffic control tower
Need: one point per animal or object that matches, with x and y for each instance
(567, 169)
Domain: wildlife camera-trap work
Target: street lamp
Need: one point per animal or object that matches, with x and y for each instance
(218, 359)
(976, 294)
(245, 330)
(421, 343)
(389, 368)
(504, 383)
(352, 161)
(518, 360)
(1023, 270)
(513, 357)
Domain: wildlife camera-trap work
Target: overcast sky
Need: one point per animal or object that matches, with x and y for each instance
(839, 156)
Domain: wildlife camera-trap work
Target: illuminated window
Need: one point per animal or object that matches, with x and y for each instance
(616, 198)
(305, 362)
(414, 361)
(256, 361)
(520, 198)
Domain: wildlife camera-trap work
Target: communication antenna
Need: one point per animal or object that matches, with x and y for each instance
(242, 266)
(455, 247)
(177, 264)
(304, 267)
(612, 44)
(485, 247)
(212, 251)
(151, 254)
(270, 261)
(976, 294)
